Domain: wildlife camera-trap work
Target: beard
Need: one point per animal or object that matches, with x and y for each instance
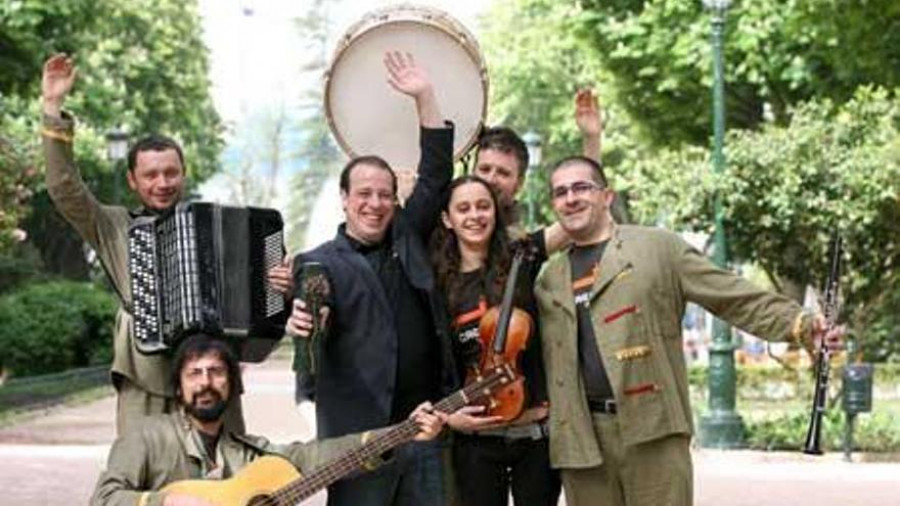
(209, 413)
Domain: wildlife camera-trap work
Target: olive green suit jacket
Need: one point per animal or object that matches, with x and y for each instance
(105, 229)
(644, 280)
(167, 449)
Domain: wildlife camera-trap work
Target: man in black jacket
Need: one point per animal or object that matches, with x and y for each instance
(386, 348)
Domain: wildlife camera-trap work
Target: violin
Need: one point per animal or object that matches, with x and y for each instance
(504, 332)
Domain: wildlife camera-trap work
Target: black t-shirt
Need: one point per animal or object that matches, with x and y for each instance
(472, 305)
(417, 345)
(210, 441)
(466, 318)
(585, 267)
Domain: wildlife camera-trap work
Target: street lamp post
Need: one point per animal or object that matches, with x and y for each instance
(532, 141)
(722, 427)
(116, 151)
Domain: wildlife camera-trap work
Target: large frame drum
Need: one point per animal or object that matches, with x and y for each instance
(368, 117)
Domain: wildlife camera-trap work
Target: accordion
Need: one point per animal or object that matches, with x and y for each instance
(202, 268)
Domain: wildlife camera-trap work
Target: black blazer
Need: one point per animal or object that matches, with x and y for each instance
(354, 384)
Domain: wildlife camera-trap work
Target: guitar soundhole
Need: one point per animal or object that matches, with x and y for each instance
(263, 500)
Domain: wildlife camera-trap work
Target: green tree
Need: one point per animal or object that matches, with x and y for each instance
(318, 153)
(831, 167)
(811, 166)
(17, 178)
(536, 63)
(260, 152)
(777, 53)
(142, 65)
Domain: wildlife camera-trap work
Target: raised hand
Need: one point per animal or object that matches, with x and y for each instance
(56, 82)
(410, 79)
(588, 113)
(405, 76)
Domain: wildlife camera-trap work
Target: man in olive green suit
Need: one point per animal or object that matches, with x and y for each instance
(611, 312)
(193, 443)
(156, 174)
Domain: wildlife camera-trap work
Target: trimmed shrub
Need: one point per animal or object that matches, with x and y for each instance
(53, 326)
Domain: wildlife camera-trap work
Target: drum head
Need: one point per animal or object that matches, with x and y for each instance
(368, 117)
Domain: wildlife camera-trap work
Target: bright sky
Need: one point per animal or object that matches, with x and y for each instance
(256, 54)
(257, 49)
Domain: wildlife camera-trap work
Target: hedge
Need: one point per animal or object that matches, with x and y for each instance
(874, 432)
(778, 383)
(774, 424)
(54, 326)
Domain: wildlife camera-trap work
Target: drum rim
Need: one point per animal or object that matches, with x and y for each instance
(430, 16)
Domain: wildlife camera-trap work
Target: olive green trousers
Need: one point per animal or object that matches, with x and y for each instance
(656, 473)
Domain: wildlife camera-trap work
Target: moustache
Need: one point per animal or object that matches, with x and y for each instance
(209, 412)
(217, 397)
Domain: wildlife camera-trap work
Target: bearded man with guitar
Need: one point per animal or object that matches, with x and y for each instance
(192, 443)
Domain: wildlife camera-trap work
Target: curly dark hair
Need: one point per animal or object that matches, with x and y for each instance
(446, 258)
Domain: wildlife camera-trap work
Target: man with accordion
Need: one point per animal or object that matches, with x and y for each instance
(156, 174)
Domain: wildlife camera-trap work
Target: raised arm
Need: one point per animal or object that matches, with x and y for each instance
(589, 118)
(65, 186)
(423, 208)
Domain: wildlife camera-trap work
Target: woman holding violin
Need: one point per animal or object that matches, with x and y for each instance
(503, 447)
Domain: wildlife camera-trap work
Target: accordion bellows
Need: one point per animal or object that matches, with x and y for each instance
(202, 268)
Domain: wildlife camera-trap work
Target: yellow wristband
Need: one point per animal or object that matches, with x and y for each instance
(142, 501)
(800, 329)
(54, 134)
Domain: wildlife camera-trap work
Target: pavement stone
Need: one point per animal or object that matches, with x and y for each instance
(55, 457)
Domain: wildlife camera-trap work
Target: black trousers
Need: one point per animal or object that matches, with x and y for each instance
(487, 468)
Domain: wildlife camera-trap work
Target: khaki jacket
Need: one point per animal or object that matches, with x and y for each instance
(645, 278)
(105, 229)
(167, 449)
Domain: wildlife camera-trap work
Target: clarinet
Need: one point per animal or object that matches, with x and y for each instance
(823, 356)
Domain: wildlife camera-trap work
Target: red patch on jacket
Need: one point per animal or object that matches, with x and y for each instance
(641, 389)
(620, 313)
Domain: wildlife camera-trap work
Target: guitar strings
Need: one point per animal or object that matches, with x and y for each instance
(307, 486)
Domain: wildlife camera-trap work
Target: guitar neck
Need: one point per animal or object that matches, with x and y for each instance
(385, 441)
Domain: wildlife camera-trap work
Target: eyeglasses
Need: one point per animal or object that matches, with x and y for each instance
(578, 189)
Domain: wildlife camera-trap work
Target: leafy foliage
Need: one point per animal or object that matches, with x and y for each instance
(17, 177)
(875, 432)
(826, 156)
(777, 53)
(774, 403)
(319, 154)
(788, 188)
(142, 65)
(53, 326)
(536, 63)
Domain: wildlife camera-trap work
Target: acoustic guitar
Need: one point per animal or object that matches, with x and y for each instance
(273, 481)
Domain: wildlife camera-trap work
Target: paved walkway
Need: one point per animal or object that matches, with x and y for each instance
(55, 457)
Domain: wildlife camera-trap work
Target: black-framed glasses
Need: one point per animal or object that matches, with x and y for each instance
(578, 189)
